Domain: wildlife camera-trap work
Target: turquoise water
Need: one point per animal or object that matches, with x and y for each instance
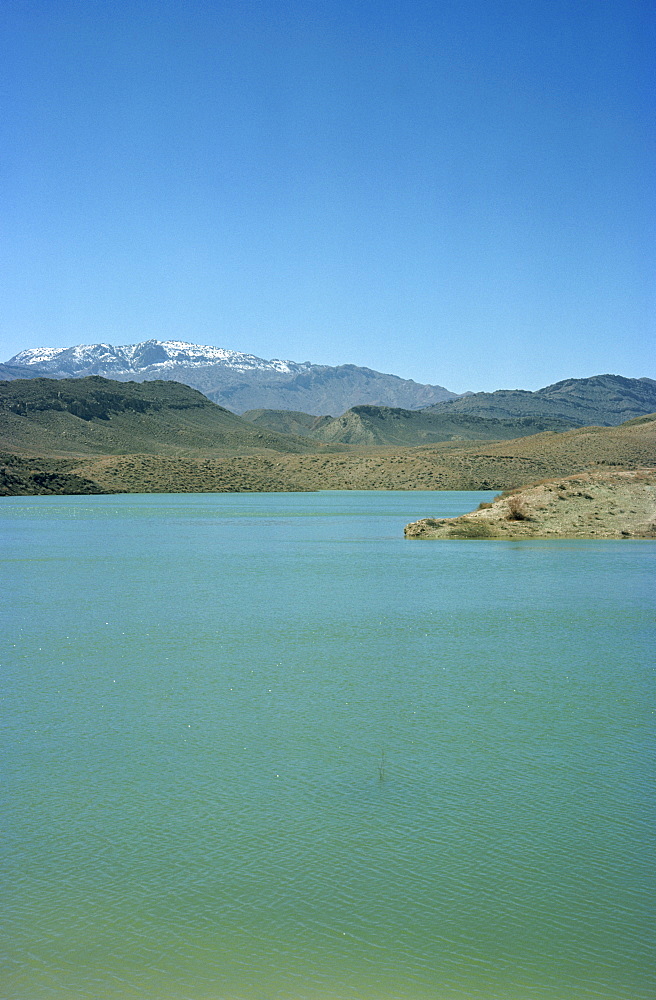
(260, 746)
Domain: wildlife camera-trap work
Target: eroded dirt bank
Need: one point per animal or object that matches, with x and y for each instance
(586, 505)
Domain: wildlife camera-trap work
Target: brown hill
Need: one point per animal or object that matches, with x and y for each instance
(448, 466)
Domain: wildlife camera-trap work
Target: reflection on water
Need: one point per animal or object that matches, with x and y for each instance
(198, 694)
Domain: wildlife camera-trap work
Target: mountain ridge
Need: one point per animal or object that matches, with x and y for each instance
(242, 383)
(232, 379)
(601, 400)
(368, 426)
(606, 400)
(150, 354)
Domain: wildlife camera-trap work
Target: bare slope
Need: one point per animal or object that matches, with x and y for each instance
(608, 504)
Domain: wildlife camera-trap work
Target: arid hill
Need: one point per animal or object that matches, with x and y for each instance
(606, 504)
(603, 400)
(494, 465)
(385, 425)
(100, 416)
(287, 421)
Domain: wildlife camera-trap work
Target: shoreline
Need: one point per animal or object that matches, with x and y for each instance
(593, 505)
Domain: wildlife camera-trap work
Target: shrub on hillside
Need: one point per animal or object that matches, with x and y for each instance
(517, 510)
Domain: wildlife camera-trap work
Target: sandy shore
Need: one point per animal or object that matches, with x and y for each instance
(618, 504)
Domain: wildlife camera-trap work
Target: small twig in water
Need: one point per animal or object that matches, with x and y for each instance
(381, 766)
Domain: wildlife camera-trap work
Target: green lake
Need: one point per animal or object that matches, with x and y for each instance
(261, 747)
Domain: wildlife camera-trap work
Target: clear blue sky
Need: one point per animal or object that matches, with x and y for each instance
(459, 191)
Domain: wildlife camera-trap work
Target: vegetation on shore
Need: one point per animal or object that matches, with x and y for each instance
(599, 504)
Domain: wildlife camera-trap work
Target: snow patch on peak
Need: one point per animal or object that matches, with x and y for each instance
(151, 355)
(36, 355)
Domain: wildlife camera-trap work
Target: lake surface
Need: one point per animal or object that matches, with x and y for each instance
(260, 746)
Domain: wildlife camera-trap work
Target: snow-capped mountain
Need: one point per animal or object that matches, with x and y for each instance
(237, 381)
(101, 359)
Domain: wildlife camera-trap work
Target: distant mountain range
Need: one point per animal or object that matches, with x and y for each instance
(367, 407)
(236, 381)
(603, 400)
(98, 416)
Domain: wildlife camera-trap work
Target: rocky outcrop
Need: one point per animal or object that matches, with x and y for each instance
(618, 504)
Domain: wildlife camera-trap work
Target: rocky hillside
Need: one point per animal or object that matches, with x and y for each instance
(21, 476)
(99, 416)
(383, 425)
(606, 400)
(287, 421)
(232, 379)
(608, 504)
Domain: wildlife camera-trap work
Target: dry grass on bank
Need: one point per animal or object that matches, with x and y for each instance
(600, 504)
(447, 466)
(494, 465)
